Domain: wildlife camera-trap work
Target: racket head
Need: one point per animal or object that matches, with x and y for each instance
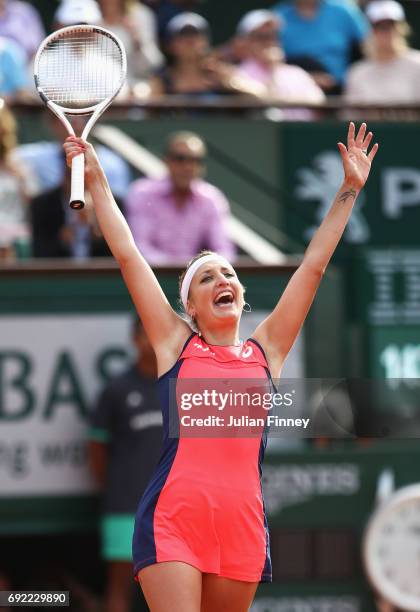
(79, 68)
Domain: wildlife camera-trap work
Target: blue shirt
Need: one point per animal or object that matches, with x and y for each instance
(46, 160)
(327, 37)
(13, 76)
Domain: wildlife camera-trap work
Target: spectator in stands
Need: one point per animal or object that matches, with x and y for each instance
(13, 71)
(21, 23)
(70, 12)
(124, 448)
(391, 72)
(192, 70)
(46, 160)
(59, 231)
(265, 65)
(173, 218)
(167, 9)
(15, 189)
(135, 24)
(322, 36)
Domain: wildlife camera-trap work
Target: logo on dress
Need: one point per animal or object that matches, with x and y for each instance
(205, 349)
(247, 352)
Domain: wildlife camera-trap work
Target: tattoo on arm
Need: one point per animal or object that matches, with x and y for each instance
(346, 195)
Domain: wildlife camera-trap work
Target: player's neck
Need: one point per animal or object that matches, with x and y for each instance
(222, 337)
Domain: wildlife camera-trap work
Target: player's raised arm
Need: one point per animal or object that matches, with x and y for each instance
(166, 330)
(278, 331)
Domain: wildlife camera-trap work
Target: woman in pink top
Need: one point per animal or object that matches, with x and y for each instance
(201, 539)
(264, 64)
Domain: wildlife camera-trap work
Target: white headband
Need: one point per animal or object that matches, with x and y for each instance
(185, 287)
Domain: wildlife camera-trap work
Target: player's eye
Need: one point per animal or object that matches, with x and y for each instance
(205, 279)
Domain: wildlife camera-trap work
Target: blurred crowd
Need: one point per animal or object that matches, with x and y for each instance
(299, 51)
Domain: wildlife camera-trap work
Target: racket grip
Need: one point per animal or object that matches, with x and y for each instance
(77, 197)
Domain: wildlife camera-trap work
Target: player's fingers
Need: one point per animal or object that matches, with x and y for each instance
(366, 141)
(71, 152)
(361, 134)
(73, 146)
(373, 151)
(75, 140)
(343, 150)
(350, 134)
(69, 160)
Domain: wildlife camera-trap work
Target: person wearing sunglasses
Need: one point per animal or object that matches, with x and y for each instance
(391, 71)
(265, 65)
(172, 218)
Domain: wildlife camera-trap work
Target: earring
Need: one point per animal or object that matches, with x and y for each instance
(247, 307)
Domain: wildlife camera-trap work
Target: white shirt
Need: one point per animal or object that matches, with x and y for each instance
(394, 81)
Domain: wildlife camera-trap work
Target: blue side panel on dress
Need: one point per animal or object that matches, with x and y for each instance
(144, 547)
(266, 574)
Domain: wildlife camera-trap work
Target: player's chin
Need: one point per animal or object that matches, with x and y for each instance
(226, 311)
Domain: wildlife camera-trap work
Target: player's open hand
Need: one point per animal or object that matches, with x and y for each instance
(357, 159)
(76, 146)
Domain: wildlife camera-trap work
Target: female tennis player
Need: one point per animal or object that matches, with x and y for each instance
(201, 539)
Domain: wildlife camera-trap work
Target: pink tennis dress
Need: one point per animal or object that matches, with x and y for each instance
(204, 505)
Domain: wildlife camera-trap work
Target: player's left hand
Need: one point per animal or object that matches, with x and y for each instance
(357, 160)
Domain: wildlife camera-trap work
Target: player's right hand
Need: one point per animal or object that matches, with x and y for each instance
(74, 146)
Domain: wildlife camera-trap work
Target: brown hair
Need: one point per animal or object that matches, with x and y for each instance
(8, 139)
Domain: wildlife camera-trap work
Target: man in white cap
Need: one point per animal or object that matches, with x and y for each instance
(391, 73)
(71, 12)
(265, 64)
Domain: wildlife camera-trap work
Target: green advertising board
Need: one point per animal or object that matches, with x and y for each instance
(389, 309)
(387, 212)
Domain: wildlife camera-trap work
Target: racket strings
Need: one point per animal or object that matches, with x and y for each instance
(77, 71)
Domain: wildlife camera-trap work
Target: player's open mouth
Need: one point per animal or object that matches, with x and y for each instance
(224, 299)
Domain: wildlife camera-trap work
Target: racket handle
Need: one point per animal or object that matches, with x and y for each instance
(77, 198)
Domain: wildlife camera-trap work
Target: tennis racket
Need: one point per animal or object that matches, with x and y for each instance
(79, 70)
